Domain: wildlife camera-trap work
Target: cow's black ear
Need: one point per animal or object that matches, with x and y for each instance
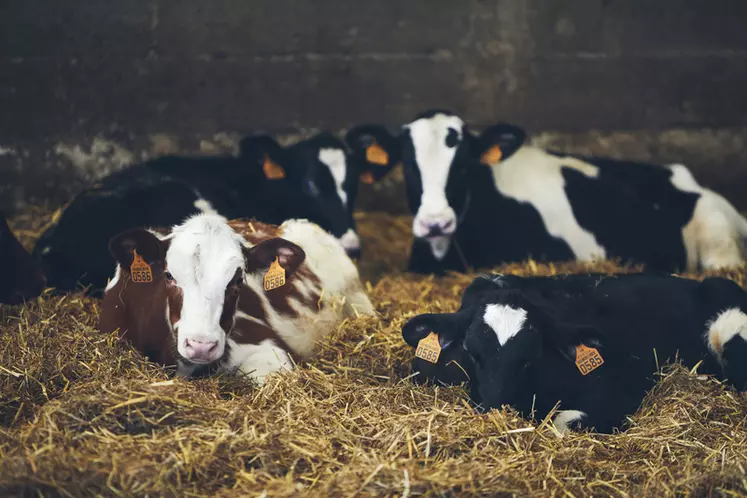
(147, 245)
(289, 255)
(568, 337)
(499, 142)
(374, 150)
(264, 152)
(449, 327)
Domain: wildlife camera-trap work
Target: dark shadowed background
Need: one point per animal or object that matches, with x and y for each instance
(88, 86)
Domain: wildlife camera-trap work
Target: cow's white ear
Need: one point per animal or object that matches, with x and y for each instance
(289, 255)
(147, 245)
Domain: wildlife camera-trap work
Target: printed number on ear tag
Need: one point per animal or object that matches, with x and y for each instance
(428, 348)
(492, 155)
(376, 155)
(587, 359)
(275, 276)
(140, 271)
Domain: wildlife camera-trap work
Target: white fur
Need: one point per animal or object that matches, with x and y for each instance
(439, 246)
(533, 176)
(203, 256)
(334, 159)
(350, 240)
(114, 280)
(340, 288)
(505, 321)
(205, 206)
(258, 360)
(726, 326)
(714, 236)
(565, 418)
(434, 160)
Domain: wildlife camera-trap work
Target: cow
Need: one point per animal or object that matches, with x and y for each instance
(197, 296)
(21, 276)
(480, 201)
(309, 180)
(591, 343)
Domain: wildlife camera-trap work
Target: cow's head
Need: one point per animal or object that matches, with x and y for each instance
(198, 271)
(442, 160)
(511, 339)
(21, 276)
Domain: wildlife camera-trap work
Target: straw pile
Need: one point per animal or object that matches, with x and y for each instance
(81, 414)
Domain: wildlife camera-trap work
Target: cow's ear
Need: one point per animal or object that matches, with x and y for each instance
(499, 142)
(289, 255)
(568, 338)
(374, 150)
(147, 245)
(264, 152)
(448, 327)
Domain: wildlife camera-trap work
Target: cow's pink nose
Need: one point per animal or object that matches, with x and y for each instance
(200, 350)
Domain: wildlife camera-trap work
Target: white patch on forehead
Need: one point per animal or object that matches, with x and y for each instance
(203, 256)
(433, 157)
(335, 161)
(505, 321)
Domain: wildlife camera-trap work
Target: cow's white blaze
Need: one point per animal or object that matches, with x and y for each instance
(434, 158)
(505, 321)
(203, 257)
(335, 161)
(725, 327)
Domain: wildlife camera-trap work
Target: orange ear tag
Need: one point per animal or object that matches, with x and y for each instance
(587, 359)
(376, 155)
(492, 155)
(367, 178)
(275, 276)
(272, 170)
(140, 270)
(428, 348)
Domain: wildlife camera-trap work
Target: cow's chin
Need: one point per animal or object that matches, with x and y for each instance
(440, 245)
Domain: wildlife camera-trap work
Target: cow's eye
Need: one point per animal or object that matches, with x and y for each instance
(452, 138)
(169, 277)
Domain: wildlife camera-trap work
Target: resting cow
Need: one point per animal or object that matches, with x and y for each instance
(592, 343)
(21, 277)
(196, 296)
(313, 180)
(482, 201)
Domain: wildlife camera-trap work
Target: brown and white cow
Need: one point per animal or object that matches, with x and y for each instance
(206, 304)
(21, 276)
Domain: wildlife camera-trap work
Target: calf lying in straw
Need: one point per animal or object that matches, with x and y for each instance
(592, 343)
(230, 296)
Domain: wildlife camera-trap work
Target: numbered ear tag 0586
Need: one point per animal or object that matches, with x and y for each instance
(429, 348)
(275, 276)
(140, 271)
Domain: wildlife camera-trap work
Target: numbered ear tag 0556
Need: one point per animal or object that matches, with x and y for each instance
(587, 359)
(275, 276)
(429, 348)
(140, 271)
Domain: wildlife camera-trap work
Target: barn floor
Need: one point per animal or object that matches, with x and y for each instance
(82, 414)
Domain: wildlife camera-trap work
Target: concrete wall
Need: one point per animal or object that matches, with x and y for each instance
(136, 71)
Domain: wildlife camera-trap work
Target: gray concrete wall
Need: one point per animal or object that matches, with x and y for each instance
(136, 71)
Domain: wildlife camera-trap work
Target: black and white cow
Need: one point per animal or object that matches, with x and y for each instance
(315, 179)
(482, 201)
(519, 338)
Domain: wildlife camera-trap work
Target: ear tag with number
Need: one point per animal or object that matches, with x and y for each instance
(140, 271)
(429, 348)
(375, 154)
(587, 359)
(272, 170)
(492, 155)
(275, 276)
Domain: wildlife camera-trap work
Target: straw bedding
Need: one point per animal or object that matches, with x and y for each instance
(81, 414)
